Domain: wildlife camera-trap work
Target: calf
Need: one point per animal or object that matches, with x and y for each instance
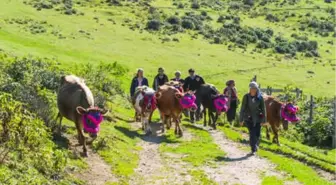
(208, 96)
(171, 102)
(277, 113)
(144, 103)
(75, 102)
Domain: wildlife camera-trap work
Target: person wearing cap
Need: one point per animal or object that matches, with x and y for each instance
(178, 77)
(138, 80)
(231, 92)
(192, 83)
(253, 114)
(160, 79)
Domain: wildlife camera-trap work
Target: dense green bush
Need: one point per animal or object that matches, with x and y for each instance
(26, 146)
(174, 20)
(154, 24)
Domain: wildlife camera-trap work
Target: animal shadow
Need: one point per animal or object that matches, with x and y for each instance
(228, 159)
(153, 138)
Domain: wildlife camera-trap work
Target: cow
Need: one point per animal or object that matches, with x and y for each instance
(208, 96)
(144, 103)
(171, 102)
(75, 102)
(278, 112)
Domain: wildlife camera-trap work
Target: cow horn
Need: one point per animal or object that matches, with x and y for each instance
(80, 110)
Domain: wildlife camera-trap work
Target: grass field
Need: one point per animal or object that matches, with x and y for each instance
(88, 40)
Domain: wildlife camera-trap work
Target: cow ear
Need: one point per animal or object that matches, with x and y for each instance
(158, 95)
(80, 110)
(178, 95)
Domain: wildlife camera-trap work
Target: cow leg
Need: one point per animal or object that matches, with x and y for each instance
(204, 115)
(178, 129)
(215, 118)
(145, 123)
(81, 137)
(210, 118)
(275, 132)
(267, 133)
(150, 117)
(60, 122)
(163, 117)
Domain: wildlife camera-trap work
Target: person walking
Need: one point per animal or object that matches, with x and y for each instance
(160, 79)
(138, 80)
(231, 92)
(192, 83)
(178, 77)
(253, 114)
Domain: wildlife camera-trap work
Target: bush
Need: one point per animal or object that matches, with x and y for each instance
(272, 18)
(154, 24)
(188, 24)
(195, 5)
(174, 20)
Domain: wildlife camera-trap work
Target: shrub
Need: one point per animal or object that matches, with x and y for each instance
(154, 24)
(174, 20)
(272, 18)
(188, 24)
(195, 5)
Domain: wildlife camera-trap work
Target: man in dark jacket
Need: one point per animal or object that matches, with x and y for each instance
(160, 79)
(138, 80)
(178, 77)
(192, 83)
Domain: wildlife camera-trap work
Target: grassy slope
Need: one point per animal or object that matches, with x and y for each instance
(117, 43)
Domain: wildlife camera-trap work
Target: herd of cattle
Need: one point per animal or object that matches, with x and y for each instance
(75, 102)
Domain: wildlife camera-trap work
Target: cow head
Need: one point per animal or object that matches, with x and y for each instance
(187, 100)
(220, 103)
(91, 119)
(149, 103)
(288, 114)
(177, 85)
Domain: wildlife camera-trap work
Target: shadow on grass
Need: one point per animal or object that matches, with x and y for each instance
(154, 138)
(228, 159)
(193, 127)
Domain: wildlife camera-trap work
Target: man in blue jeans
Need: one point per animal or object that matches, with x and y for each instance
(253, 113)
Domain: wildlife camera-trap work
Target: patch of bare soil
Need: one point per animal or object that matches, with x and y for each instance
(157, 168)
(99, 172)
(239, 167)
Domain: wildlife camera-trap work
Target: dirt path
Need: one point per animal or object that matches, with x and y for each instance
(98, 172)
(239, 168)
(157, 168)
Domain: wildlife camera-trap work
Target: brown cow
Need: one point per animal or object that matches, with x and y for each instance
(144, 103)
(171, 102)
(277, 113)
(75, 102)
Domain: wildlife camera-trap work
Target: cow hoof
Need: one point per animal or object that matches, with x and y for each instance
(278, 144)
(180, 134)
(85, 154)
(268, 137)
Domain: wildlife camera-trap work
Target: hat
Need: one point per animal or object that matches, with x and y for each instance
(191, 70)
(253, 85)
(230, 82)
(178, 72)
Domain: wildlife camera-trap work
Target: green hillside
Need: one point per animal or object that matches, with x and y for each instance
(117, 31)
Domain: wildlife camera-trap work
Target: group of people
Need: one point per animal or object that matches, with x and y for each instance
(252, 113)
